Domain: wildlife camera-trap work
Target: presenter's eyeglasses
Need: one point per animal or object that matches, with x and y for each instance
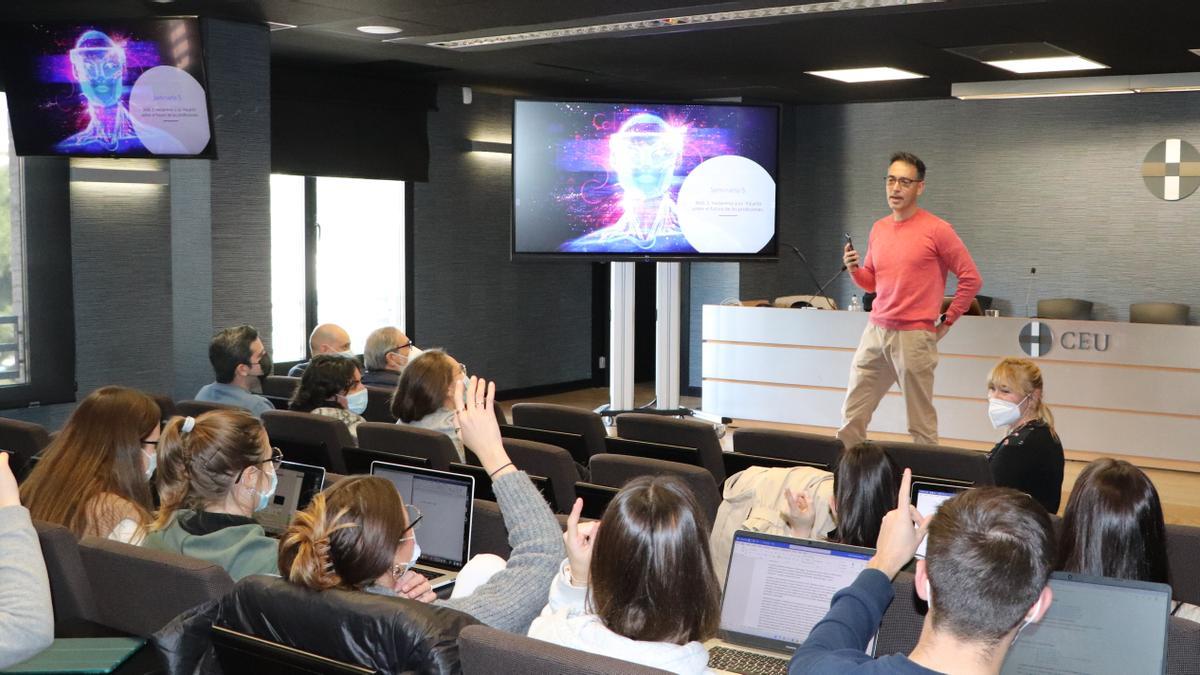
(904, 182)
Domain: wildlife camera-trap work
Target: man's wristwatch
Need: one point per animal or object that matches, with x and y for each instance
(942, 319)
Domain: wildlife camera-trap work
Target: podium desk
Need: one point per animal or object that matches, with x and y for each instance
(1115, 389)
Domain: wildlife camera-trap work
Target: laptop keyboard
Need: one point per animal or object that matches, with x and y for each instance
(428, 574)
(747, 663)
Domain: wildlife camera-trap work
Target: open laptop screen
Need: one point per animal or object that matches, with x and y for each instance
(445, 501)
(1097, 626)
(778, 588)
(298, 483)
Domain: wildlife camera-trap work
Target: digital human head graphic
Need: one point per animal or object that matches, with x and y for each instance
(99, 66)
(644, 152)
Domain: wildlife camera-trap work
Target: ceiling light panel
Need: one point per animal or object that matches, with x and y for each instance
(859, 75)
(613, 28)
(1051, 64)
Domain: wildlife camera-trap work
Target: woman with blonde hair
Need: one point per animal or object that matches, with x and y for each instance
(1030, 457)
(94, 476)
(214, 472)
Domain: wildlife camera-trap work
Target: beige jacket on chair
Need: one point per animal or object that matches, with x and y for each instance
(754, 500)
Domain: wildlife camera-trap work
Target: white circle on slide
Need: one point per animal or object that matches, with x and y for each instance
(170, 111)
(727, 205)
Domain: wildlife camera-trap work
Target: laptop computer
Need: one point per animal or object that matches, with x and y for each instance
(778, 588)
(928, 496)
(298, 483)
(1098, 626)
(445, 500)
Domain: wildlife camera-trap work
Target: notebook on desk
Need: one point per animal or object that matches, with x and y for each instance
(446, 503)
(776, 590)
(298, 484)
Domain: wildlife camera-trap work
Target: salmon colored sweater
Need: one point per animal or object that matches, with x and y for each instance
(906, 265)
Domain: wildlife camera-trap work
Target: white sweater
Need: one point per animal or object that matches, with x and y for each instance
(26, 615)
(565, 621)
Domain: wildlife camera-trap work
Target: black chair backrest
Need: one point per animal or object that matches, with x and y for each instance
(595, 498)
(1183, 647)
(483, 482)
(1183, 550)
(194, 408)
(550, 461)
(308, 438)
(617, 470)
(663, 451)
(691, 433)
(166, 406)
(358, 460)
(486, 651)
(941, 462)
(795, 445)
(69, 588)
(488, 531)
(736, 461)
(572, 443)
(280, 386)
(901, 625)
(24, 440)
(241, 653)
(279, 402)
(563, 418)
(379, 405)
(403, 439)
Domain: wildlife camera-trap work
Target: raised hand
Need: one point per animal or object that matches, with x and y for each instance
(800, 514)
(579, 539)
(901, 532)
(478, 426)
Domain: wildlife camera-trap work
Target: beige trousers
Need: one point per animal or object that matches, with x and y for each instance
(883, 358)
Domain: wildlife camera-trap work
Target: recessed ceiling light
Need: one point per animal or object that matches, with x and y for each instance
(1051, 64)
(378, 30)
(856, 75)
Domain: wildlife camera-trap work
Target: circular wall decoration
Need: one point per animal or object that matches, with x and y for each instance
(1171, 169)
(1036, 338)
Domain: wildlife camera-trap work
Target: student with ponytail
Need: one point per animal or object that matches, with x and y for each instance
(214, 472)
(94, 476)
(1030, 457)
(359, 535)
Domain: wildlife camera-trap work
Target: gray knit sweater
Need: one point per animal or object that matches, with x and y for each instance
(515, 595)
(26, 615)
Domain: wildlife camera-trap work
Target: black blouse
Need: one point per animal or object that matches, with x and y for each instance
(1030, 459)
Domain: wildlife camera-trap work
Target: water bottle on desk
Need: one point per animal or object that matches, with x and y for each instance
(855, 305)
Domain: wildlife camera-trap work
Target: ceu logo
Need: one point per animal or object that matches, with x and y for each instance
(1172, 169)
(1036, 339)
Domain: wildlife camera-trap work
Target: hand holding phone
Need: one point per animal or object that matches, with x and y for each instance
(849, 255)
(849, 241)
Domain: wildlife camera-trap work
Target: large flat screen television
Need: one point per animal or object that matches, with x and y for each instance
(644, 181)
(111, 88)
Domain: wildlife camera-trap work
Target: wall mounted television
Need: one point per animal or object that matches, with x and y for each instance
(109, 88)
(644, 181)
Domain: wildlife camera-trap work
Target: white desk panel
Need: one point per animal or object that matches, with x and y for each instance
(1139, 396)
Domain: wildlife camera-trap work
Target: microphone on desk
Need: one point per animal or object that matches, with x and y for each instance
(1029, 289)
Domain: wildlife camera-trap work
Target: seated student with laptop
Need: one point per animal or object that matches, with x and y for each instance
(985, 577)
(358, 534)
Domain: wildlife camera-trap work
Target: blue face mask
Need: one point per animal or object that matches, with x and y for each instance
(357, 401)
(264, 498)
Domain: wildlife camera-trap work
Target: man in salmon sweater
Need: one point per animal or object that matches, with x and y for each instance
(908, 255)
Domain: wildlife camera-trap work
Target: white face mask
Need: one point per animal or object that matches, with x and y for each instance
(348, 354)
(1004, 413)
(151, 463)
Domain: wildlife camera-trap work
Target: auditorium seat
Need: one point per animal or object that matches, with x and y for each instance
(1183, 647)
(691, 433)
(70, 592)
(1065, 308)
(617, 470)
(240, 653)
(800, 446)
(1183, 552)
(408, 440)
(550, 461)
(194, 408)
(138, 590)
(488, 533)
(1159, 312)
(308, 438)
(563, 418)
(941, 461)
(900, 628)
(379, 405)
(23, 440)
(280, 386)
(486, 651)
(166, 406)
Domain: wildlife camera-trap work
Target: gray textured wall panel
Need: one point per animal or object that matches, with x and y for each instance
(191, 279)
(711, 283)
(522, 324)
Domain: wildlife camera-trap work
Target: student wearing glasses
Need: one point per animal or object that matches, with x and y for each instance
(214, 472)
(425, 395)
(908, 255)
(359, 535)
(387, 352)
